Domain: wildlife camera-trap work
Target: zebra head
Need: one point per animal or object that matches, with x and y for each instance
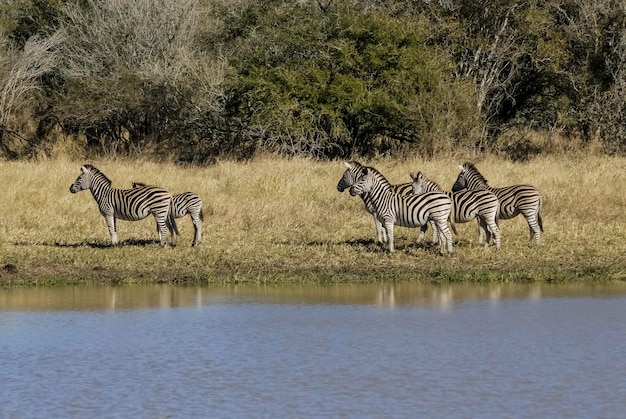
(354, 170)
(418, 183)
(364, 184)
(469, 178)
(83, 181)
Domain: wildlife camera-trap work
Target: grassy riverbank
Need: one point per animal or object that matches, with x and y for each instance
(279, 220)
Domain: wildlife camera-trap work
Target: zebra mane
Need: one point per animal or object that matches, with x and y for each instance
(469, 167)
(94, 170)
(382, 180)
(430, 184)
(139, 184)
(354, 166)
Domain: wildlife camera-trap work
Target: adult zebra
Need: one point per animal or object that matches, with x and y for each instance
(411, 211)
(467, 205)
(354, 171)
(183, 204)
(514, 200)
(127, 204)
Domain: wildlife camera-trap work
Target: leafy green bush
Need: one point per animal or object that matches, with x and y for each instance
(343, 83)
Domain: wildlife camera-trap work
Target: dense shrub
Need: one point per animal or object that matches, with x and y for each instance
(199, 79)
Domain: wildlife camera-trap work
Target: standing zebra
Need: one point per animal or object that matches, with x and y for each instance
(467, 205)
(412, 211)
(354, 170)
(127, 204)
(183, 204)
(514, 200)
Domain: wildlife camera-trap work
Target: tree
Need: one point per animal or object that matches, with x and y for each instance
(20, 77)
(132, 73)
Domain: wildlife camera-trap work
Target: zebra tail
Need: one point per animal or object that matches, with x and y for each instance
(201, 215)
(171, 220)
(539, 221)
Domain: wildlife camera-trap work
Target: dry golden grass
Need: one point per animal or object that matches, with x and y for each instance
(282, 220)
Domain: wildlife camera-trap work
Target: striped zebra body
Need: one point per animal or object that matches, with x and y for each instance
(183, 204)
(514, 200)
(127, 204)
(467, 205)
(354, 171)
(410, 211)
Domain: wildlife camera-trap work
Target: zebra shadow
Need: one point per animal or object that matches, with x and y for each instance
(106, 245)
(402, 244)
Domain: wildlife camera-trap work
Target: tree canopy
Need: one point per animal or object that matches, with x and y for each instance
(199, 79)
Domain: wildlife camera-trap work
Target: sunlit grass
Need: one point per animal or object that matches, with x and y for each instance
(283, 220)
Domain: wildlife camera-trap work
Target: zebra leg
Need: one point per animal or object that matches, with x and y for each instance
(483, 230)
(381, 234)
(110, 219)
(533, 226)
(162, 228)
(492, 230)
(423, 229)
(436, 237)
(389, 230)
(482, 233)
(445, 237)
(197, 229)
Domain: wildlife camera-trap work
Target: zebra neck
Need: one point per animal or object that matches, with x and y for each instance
(381, 190)
(100, 189)
(432, 187)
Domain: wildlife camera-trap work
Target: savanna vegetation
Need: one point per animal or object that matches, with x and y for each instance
(280, 220)
(197, 80)
(253, 104)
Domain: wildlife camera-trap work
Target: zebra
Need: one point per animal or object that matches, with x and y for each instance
(354, 170)
(411, 211)
(514, 200)
(467, 205)
(183, 204)
(127, 204)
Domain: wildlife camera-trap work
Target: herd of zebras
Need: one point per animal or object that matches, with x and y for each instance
(424, 202)
(139, 202)
(416, 204)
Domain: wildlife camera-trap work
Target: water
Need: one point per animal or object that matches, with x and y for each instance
(404, 350)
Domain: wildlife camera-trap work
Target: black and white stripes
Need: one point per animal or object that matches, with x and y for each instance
(514, 200)
(127, 204)
(183, 204)
(471, 199)
(392, 208)
(354, 171)
(467, 205)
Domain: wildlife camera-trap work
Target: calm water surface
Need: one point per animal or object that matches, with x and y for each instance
(403, 350)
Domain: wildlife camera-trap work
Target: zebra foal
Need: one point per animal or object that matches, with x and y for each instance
(127, 204)
(467, 205)
(514, 200)
(354, 171)
(183, 204)
(411, 211)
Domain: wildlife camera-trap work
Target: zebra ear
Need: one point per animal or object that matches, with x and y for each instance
(461, 168)
(348, 165)
(84, 169)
